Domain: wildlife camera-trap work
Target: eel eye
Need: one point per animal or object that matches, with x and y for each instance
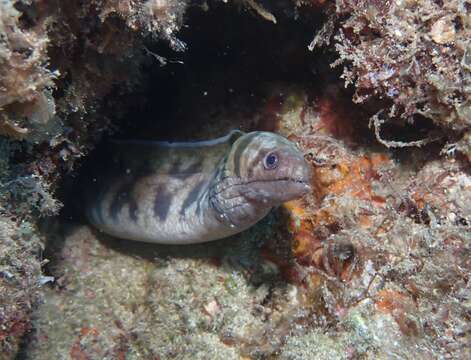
(271, 161)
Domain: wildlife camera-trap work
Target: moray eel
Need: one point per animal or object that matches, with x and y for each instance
(191, 192)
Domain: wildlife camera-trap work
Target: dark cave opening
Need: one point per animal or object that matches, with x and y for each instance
(232, 57)
(233, 61)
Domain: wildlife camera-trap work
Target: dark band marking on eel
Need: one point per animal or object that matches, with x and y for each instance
(175, 168)
(244, 143)
(123, 196)
(185, 173)
(162, 202)
(192, 196)
(253, 164)
(192, 169)
(133, 209)
(201, 198)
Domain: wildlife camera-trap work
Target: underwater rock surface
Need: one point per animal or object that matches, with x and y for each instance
(371, 264)
(374, 263)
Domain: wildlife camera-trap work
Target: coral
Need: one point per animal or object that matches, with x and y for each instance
(26, 82)
(414, 54)
(58, 63)
(20, 247)
(20, 279)
(99, 48)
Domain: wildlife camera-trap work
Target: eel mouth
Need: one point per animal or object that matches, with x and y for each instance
(277, 191)
(284, 180)
(303, 184)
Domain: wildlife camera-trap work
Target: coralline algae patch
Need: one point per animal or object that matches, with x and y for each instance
(346, 179)
(402, 307)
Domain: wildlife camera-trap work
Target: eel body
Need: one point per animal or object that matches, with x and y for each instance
(190, 192)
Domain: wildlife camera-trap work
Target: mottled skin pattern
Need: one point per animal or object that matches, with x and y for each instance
(181, 193)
